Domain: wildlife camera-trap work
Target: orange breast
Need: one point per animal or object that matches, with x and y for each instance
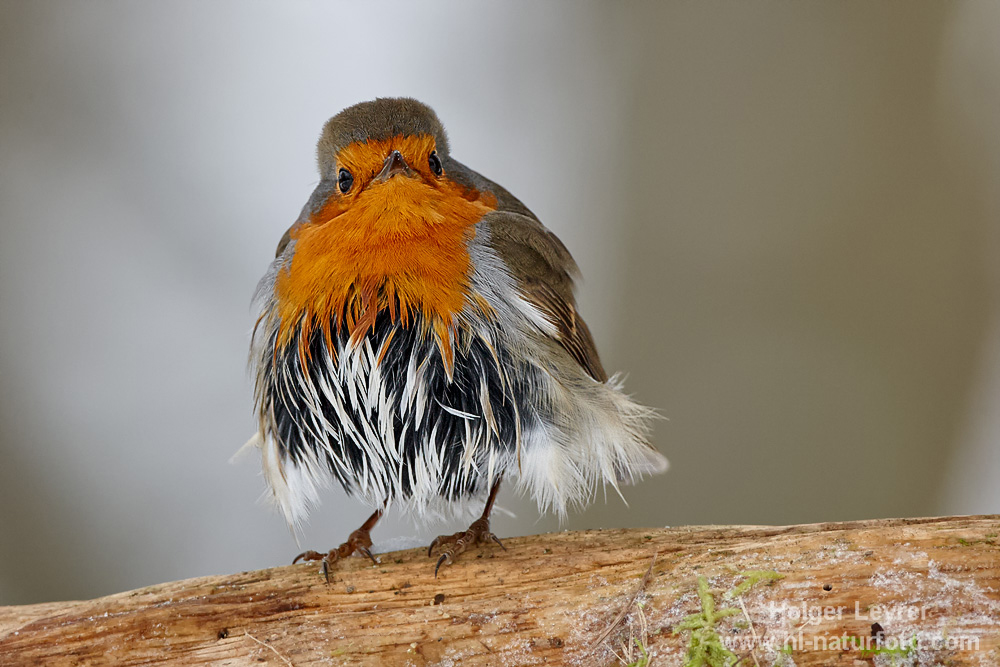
(399, 246)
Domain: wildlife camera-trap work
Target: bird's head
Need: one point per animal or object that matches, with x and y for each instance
(387, 228)
(361, 131)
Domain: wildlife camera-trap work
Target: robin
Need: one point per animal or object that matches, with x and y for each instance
(418, 342)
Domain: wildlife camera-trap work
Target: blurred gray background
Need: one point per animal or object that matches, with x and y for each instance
(786, 214)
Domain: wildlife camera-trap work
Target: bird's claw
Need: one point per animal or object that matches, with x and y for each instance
(445, 558)
(367, 552)
(478, 533)
(308, 555)
(359, 542)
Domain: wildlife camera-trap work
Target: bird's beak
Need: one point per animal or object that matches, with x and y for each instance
(394, 164)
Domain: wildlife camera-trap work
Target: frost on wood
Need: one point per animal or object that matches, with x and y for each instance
(894, 592)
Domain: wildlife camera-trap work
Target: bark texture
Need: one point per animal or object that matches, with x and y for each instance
(899, 591)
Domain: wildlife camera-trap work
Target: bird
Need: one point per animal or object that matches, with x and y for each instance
(418, 342)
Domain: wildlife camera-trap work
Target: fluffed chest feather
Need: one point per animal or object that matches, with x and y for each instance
(383, 417)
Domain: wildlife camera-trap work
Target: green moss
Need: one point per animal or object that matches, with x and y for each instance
(896, 654)
(987, 539)
(643, 659)
(753, 577)
(705, 648)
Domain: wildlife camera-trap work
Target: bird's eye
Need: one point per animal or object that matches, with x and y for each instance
(344, 180)
(435, 163)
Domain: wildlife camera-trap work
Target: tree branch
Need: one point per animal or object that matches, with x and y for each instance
(918, 590)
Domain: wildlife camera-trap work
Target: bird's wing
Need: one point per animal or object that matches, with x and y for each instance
(544, 270)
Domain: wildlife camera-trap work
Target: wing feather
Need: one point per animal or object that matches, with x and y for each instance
(544, 270)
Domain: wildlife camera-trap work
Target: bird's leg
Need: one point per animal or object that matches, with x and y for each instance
(360, 541)
(478, 533)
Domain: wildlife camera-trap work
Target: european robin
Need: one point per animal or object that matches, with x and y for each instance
(418, 342)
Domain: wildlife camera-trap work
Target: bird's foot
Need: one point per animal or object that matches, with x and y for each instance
(453, 545)
(359, 542)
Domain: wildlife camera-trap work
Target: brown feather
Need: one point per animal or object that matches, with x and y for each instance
(544, 270)
(541, 264)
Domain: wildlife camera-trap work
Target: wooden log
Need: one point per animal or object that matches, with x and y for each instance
(901, 591)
